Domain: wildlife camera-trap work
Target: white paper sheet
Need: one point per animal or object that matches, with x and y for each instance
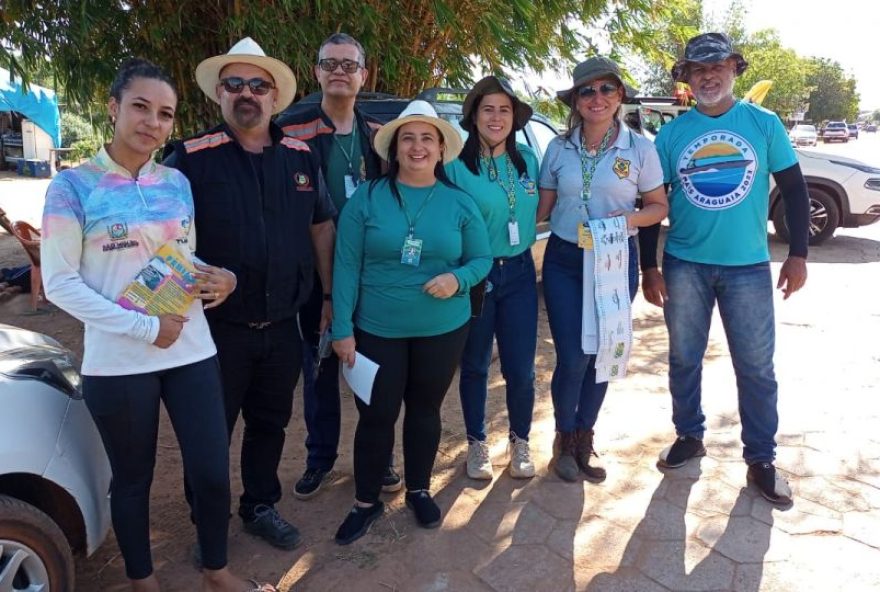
(361, 376)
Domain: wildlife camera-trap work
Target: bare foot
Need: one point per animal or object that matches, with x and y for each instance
(223, 580)
(148, 584)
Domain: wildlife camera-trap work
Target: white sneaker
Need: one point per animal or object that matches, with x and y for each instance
(521, 465)
(478, 464)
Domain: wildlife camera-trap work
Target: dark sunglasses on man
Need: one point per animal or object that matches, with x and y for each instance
(348, 66)
(235, 84)
(606, 88)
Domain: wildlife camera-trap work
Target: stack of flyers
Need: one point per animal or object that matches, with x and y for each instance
(166, 285)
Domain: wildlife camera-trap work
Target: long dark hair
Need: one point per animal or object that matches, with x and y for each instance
(394, 169)
(470, 154)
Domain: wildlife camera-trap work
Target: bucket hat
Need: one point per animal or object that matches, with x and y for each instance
(247, 51)
(708, 48)
(423, 111)
(591, 69)
(522, 112)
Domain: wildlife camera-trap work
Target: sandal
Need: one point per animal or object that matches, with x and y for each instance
(258, 587)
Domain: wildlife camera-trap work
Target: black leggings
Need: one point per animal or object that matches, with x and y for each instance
(126, 411)
(416, 371)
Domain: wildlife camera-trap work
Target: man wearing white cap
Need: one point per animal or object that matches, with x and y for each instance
(263, 213)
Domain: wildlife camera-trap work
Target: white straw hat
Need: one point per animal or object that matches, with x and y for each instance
(419, 111)
(247, 51)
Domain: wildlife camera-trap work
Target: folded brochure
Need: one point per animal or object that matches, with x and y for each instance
(166, 285)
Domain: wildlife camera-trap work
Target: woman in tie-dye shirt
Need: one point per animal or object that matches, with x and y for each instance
(102, 223)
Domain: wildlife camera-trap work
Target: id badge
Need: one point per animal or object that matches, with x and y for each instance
(585, 237)
(513, 232)
(350, 186)
(411, 253)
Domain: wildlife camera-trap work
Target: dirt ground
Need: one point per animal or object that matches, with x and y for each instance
(319, 564)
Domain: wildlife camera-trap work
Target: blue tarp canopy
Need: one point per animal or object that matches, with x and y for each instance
(38, 104)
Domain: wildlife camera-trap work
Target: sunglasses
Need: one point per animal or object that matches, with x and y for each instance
(348, 66)
(606, 88)
(235, 84)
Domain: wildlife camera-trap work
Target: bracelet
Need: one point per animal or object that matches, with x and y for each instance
(328, 297)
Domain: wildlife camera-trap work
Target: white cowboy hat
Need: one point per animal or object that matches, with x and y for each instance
(419, 111)
(247, 51)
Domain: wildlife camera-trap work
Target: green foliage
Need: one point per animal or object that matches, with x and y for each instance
(74, 128)
(84, 148)
(410, 44)
(769, 60)
(833, 94)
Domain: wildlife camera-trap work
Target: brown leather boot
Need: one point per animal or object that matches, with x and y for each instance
(583, 451)
(564, 450)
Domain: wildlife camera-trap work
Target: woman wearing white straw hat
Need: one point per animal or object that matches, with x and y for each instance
(501, 176)
(409, 248)
(597, 169)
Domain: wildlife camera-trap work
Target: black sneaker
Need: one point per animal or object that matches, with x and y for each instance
(391, 481)
(426, 511)
(681, 451)
(310, 483)
(772, 486)
(268, 524)
(358, 522)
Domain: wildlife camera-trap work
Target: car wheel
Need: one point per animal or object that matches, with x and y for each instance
(34, 554)
(824, 217)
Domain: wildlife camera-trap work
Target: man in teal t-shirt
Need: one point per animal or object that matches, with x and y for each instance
(718, 159)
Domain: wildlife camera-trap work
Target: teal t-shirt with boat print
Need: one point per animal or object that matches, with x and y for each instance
(719, 172)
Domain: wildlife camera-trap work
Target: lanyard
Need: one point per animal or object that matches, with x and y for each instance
(411, 222)
(589, 163)
(349, 154)
(509, 188)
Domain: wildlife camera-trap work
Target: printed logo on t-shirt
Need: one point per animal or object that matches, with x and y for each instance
(717, 170)
(118, 234)
(303, 183)
(527, 184)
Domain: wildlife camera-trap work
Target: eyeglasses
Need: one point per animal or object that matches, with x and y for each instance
(235, 84)
(348, 66)
(606, 88)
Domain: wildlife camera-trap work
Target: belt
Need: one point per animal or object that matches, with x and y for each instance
(260, 325)
(502, 261)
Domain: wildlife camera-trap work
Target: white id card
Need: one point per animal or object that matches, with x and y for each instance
(350, 186)
(513, 233)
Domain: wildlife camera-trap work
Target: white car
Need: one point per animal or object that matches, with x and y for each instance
(54, 473)
(844, 192)
(803, 135)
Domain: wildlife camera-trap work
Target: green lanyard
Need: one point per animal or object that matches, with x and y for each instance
(509, 188)
(589, 163)
(411, 222)
(349, 154)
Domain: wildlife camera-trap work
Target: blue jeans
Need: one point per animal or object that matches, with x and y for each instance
(510, 313)
(576, 396)
(321, 408)
(745, 301)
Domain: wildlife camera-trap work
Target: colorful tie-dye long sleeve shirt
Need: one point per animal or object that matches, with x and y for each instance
(100, 228)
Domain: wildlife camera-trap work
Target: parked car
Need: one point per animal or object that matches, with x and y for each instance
(835, 131)
(54, 473)
(871, 127)
(803, 135)
(853, 131)
(844, 192)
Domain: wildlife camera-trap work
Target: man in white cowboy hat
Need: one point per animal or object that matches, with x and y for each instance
(263, 213)
(718, 159)
(339, 134)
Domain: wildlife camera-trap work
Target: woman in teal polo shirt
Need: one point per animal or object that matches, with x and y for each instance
(409, 248)
(500, 175)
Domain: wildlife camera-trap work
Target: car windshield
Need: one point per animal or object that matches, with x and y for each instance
(805, 128)
(837, 124)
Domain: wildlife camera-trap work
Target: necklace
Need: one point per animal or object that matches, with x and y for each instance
(594, 148)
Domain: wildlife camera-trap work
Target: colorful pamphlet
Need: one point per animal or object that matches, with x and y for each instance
(166, 285)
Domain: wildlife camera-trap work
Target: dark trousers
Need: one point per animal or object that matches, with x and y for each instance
(126, 412)
(260, 368)
(321, 408)
(416, 371)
